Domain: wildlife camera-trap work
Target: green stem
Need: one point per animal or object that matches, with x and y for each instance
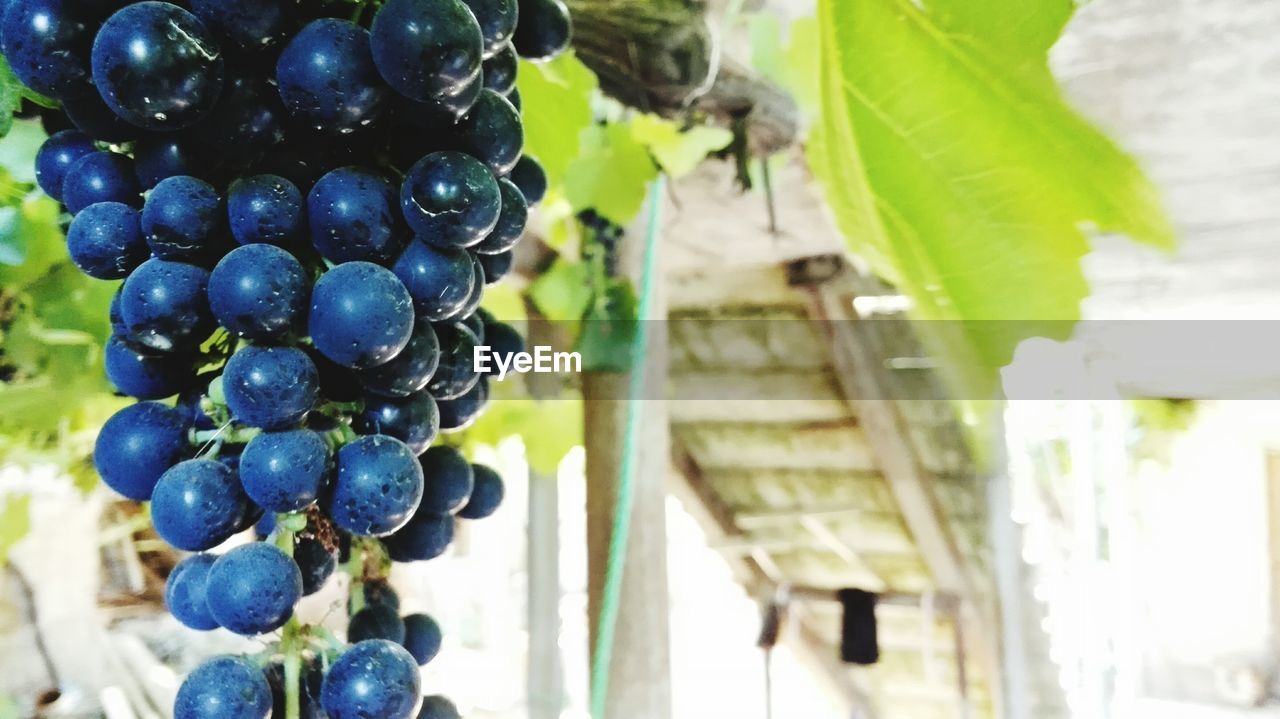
(234, 436)
(291, 645)
(355, 569)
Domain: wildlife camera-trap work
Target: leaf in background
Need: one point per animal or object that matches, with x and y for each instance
(505, 303)
(562, 293)
(794, 66)
(556, 97)
(37, 236)
(13, 248)
(678, 152)
(612, 174)
(952, 163)
(548, 428)
(609, 329)
(18, 150)
(15, 522)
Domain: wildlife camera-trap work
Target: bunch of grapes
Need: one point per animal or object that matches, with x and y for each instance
(305, 200)
(602, 237)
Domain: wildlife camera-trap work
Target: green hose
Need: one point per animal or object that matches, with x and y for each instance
(617, 560)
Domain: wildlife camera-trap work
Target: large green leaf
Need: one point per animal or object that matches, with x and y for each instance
(953, 164)
(556, 98)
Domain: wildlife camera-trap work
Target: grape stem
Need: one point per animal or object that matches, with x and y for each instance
(355, 569)
(234, 436)
(291, 641)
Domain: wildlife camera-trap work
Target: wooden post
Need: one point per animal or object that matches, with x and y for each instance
(639, 684)
(545, 675)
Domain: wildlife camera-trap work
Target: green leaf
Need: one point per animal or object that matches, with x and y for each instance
(548, 428)
(505, 303)
(39, 239)
(612, 174)
(609, 329)
(562, 293)
(678, 152)
(15, 522)
(19, 147)
(953, 164)
(556, 98)
(13, 247)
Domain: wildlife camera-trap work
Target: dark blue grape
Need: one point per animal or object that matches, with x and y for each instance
(316, 563)
(477, 289)
(137, 445)
(530, 178)
(247, 122)
(486, 494)
(450, 199)
(376, 622)
(491, 132)
(426, 49)
(354, 215)
(46, 43)
(144, 374)
(497, 20)
(285, 471)
(439, 280)
(438, 707)
(511, 223)
(198, 504)
(459, 413)
(377, 593)
(100, 177)
(157, 66)
(270, 387)
(91, 116)
(422, 637)
(504, 341)
(361, 315)
(456, 372)
(327, 78)
(500, 70)
(448, 481)
(160, 157)
(267, 209)
(544, 29)
(105, 241)
(56, 156)
(476, 323)
(165, 305)
(184, 595)
(425, 537)
(413, 420)
(496, 267)
(377, 488)
(253, 589)
(375, 678)
(184, 221)
(251, 24)
(265, 526)
(260, 292)
(118, 327)
(410, 371)
(224, 688)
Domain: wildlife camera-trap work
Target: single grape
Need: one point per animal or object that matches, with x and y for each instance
(159, 157)
(490, 131)
(439, 280)
(511, 222)
(377, 593)
(354, 216)
(497, 20)
(544, 29)
(438, 707)
(425, 537)
(316, 563)
(105, 241)
(90, 114)
(413, 420)
(500, 70)
(461, 412)
(100, 177)
(496, 267)
(165, 305)
(374, 678)
(450, 199)
(251, 24)
(197, 505)
(137, 445)
(448, 481)
(410, 371)
(285, 471)
(247, 121)
(456, 373)
(267, 209)
(477, 287)
(530, 178)
(224, 688)
(142, 373)
(504, 341)
(327, 77)
(157, 66)
(422, 637)
(46, 43)
(377, 488)
(270, 387)
(260, 292)
(486, 494)
(56, 156)
(361, 315)
(253, 589)
(184, 221)
(376, 622)
(184, 592)
(476, 323)
(426, 49)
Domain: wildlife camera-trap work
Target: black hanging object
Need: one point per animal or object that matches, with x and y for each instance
(770, 625)
(858, 641)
